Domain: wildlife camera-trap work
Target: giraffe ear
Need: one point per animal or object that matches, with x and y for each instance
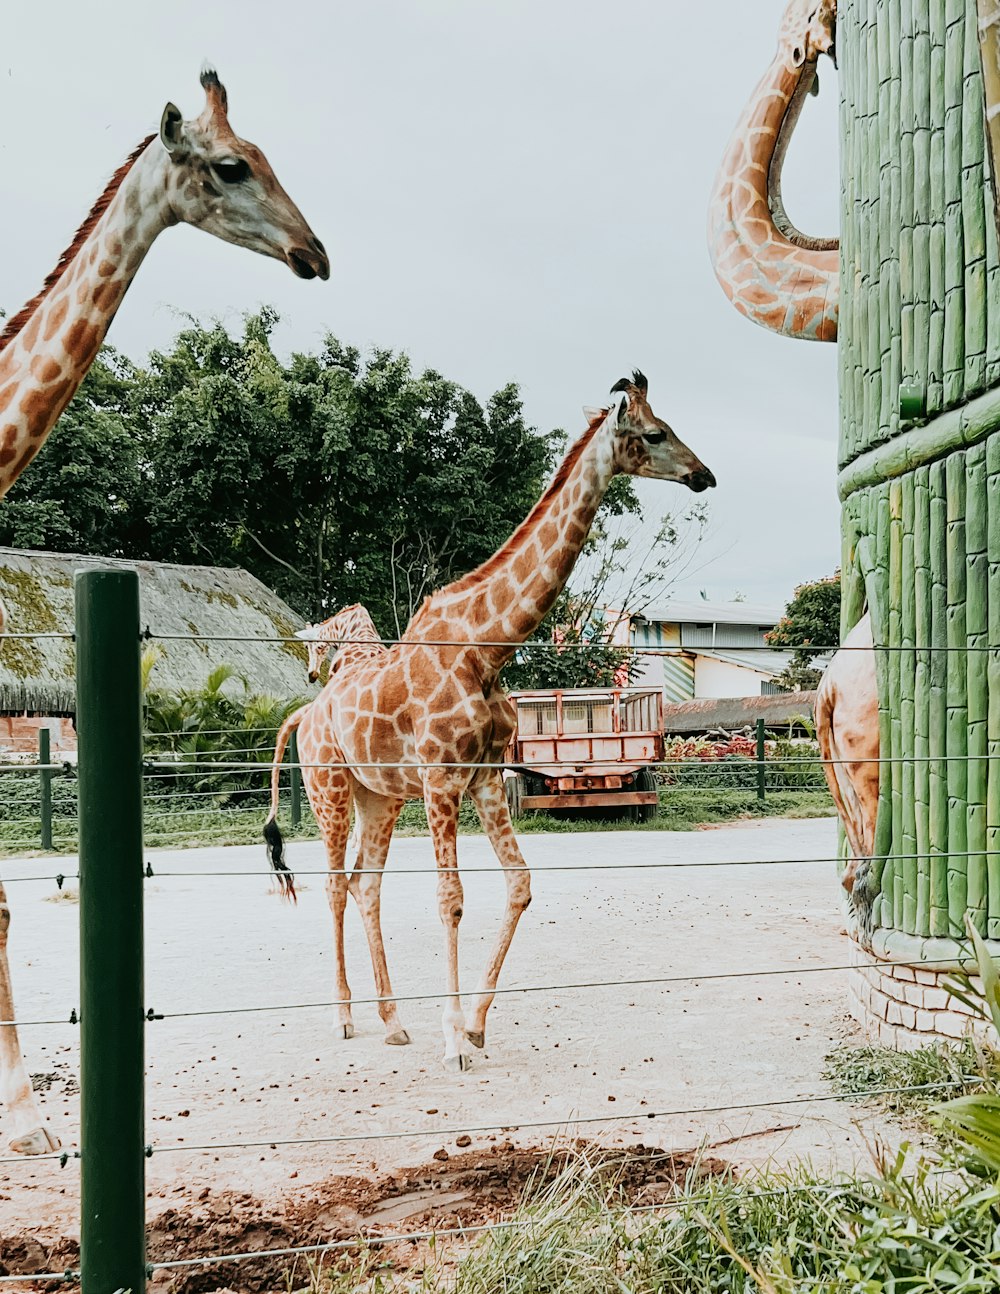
(308, 634)
(172, 134)
(591, 413)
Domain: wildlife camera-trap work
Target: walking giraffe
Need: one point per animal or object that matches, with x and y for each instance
(197, 172)
(428, 719)
(776, 276)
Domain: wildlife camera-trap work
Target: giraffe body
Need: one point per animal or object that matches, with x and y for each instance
(848, 736)
(428, 718)
(771, 273)
(198, 172)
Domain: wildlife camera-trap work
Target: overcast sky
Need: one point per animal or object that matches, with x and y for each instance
(508, 190)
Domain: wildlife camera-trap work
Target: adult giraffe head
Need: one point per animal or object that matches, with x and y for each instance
(199, 172)
(224, 185)
(808, 29)
(644, 445)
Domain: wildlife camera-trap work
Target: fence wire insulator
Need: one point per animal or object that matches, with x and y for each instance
(73, 1017)
(152, 1015)
(59, 881)
(149, 871)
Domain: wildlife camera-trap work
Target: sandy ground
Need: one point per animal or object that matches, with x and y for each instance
(618, 1055)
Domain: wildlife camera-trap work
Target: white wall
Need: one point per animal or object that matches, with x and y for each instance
(713, 678)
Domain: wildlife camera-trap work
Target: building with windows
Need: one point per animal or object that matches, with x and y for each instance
(709, 649)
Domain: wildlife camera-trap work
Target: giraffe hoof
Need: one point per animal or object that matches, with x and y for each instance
(477, 1039)
(459, 1064)
(398, 1039)
(39, 1141)
(344, 1031)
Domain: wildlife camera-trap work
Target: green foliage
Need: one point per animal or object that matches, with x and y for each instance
(982, 999)
(975, 1119)
(330, 477)
(811, 620)
(622, 569)
(789, 765)
(941, 1070)
(224, 732)
(83, 490)
(902, 1231)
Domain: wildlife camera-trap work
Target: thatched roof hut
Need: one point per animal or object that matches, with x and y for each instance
(37, 675)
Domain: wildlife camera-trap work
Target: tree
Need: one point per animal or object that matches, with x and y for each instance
(811, 621)
(333, 477)
(80, 493)
(623, 568)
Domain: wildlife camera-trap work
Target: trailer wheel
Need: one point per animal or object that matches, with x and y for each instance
(645, 781)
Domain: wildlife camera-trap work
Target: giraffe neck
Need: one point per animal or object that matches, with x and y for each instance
(507, 598)
(44, 362)
(773, 275)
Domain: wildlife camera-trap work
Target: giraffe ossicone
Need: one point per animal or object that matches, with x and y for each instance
(427, 718)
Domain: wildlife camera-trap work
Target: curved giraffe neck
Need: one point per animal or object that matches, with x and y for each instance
(779, 279)
(47, 348)
(506, 598)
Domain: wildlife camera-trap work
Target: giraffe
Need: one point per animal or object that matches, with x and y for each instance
(198, 172)
(790, 283)
(332, 633)
(848, 736)
(428, 718)
(776, 276)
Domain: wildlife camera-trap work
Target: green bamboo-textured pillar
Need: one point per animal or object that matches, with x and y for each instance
(112, 1135)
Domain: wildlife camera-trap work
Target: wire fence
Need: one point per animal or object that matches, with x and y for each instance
(211, 785)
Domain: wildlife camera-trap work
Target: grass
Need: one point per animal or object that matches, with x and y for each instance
(945, 1070)
(903, 1230)
(681, 809)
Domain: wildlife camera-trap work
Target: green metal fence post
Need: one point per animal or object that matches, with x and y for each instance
(761, 785)
(296, 779)
(109, 729)
(45, 793)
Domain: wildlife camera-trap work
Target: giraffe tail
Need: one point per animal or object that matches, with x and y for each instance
(272, 832)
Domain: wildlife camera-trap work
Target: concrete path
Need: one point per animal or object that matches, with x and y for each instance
(615, 1054)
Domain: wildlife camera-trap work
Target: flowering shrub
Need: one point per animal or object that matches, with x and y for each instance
(698, 761)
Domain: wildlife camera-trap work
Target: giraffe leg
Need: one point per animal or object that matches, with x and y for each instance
(442, 800)
(29, 1136)
(330, 798)
(377, 816)
(491, 805)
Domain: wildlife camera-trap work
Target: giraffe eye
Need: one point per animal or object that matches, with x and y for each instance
(232, 171)
(654, 437)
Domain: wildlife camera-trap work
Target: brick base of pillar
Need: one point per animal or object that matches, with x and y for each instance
(906, 1006)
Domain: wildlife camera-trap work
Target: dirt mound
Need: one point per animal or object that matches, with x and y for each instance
(456, 1189)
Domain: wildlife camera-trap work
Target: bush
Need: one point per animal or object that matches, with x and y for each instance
(699, 762)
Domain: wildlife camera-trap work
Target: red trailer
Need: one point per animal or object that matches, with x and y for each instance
(586, 748)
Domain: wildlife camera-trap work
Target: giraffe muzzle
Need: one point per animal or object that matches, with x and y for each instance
(309, 262)
(698, 480)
